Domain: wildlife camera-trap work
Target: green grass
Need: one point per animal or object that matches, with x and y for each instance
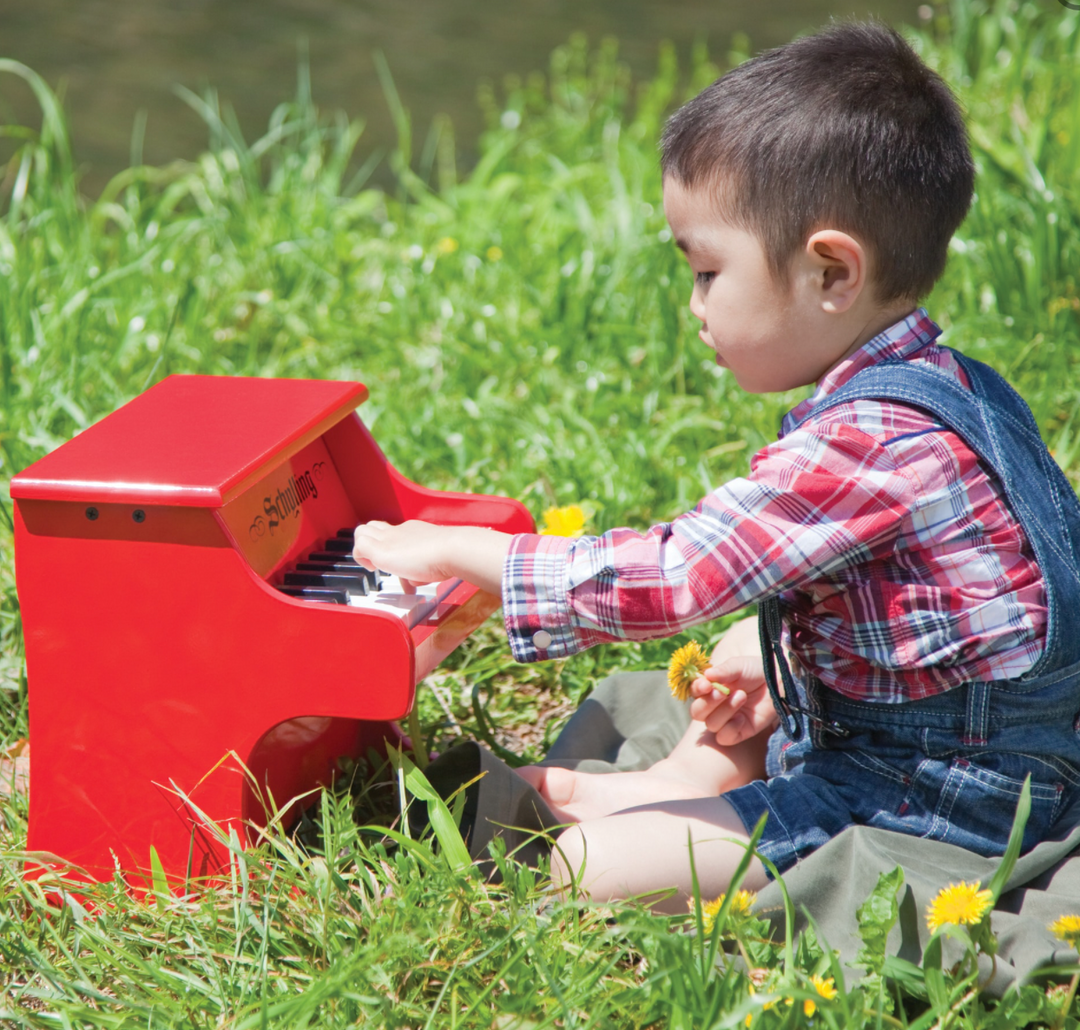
(522, 327)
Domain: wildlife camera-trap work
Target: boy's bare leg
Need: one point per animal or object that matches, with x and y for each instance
(698, 767)
(645, 850)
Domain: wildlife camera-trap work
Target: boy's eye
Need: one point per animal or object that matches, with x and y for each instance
(703, 278)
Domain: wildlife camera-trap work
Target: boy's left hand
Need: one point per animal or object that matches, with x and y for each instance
(745, 711)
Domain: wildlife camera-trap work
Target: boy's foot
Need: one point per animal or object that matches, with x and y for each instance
(575, 797)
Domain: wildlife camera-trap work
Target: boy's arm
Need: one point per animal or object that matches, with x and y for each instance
(419, 552)
(820, 499)
(814, 502)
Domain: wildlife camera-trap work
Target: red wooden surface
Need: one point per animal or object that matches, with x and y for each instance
(190, 440)
(161, 661)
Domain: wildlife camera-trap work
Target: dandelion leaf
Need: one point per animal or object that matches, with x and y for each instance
(1027, 1005)
(877, 916)
(810, 951)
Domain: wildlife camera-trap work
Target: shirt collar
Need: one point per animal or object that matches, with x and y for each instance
(902, 340)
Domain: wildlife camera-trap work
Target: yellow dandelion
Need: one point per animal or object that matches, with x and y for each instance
(686, 664)
(961, 904)
(447, 245)
(826, 989)
(568, 521)
(494, 253)
(709, 912)
(741, 905)
(743, 902)
(1067, 929)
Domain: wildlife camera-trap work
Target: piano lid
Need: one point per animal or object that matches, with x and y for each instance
(190, 440)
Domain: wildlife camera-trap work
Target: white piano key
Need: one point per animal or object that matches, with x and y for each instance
(392, 585)
(410, 608)
(438, 591)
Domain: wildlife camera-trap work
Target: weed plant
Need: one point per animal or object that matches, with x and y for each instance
(522, 327)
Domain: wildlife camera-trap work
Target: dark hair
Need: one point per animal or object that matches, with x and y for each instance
(845, 129)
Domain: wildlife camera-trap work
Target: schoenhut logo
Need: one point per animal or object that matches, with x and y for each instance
(287, 500)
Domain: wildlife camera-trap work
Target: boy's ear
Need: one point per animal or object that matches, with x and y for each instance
(840, 268)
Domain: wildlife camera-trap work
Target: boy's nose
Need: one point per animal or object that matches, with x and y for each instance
(697, 305)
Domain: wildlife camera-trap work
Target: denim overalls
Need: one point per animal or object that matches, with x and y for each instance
(949, 767)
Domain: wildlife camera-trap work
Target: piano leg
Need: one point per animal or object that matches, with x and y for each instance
(296, 757)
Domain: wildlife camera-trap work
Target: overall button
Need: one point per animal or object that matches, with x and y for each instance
(541, 639)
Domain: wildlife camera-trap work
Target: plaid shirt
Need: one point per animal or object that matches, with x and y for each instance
(903, 571)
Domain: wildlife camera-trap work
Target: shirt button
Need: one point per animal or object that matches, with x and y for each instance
(541, 640)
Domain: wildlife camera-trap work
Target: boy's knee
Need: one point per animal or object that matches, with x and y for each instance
(568, 858)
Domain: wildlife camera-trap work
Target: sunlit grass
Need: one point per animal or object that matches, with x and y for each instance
(522, 327)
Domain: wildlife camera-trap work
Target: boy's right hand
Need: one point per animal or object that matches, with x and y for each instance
(745, 711)
(421, 552)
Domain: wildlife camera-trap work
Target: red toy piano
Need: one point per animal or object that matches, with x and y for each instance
(191, 608)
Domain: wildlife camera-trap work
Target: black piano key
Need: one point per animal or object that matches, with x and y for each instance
(350, 568)
(339, 545)
(348, 533)
(357, 583)
(316, 594)
(346, 568)
(332, 556)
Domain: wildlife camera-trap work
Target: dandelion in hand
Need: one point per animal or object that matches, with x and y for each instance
(568, 521)
(1067, 929)
(961, 904)
(826, 989)
(686, 664)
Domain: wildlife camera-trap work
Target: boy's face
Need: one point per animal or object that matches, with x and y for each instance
(766, 334)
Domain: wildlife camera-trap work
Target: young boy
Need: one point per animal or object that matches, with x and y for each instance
(908, 527)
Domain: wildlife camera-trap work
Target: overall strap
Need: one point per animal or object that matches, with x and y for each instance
(772, 655)
(995, 422)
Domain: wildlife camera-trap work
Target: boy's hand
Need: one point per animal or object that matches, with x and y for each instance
(421, 552)
(413, 551)
(745, 711)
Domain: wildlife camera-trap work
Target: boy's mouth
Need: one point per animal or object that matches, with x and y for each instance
(711, 344)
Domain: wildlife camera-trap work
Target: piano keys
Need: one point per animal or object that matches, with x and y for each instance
(333, 576)
(200, 646)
